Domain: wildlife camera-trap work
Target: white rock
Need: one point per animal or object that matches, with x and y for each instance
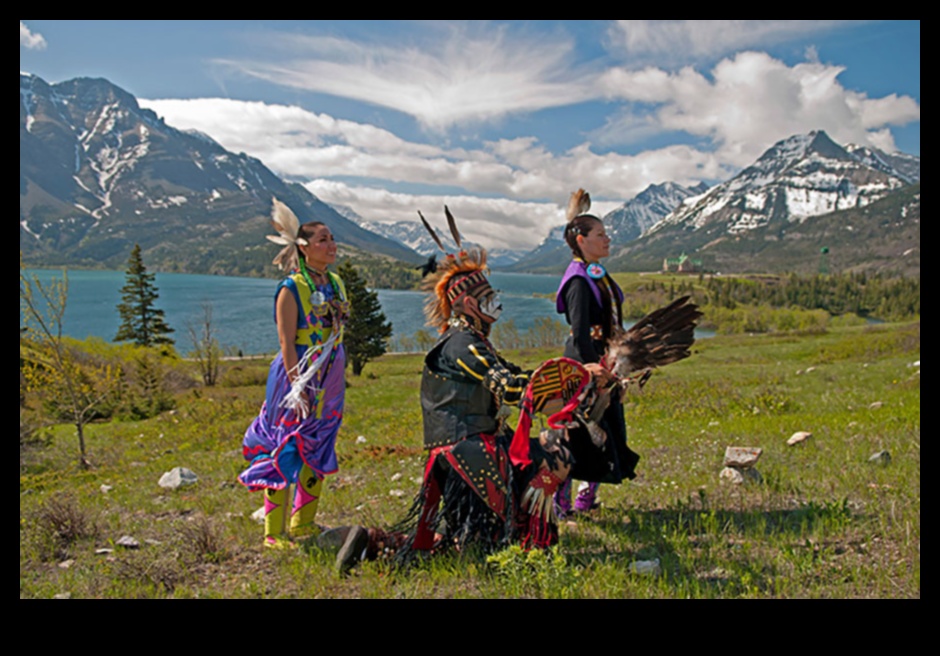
(396, 477)
(799, 436)
(105, 488)
(882, 457)
(361, 439)
(875, 405)
(128, 542)
(178, 477)
(65, 564)
(742, 456)
(650, 567)
(258, 515)
(731, 475)
(396, 493)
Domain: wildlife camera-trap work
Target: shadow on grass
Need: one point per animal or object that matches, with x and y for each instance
(711, 552)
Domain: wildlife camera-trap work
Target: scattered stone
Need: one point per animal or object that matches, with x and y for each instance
(875, 405)
(650, 567)
(104, 551)
(731, 475)
(62, 595)
(739, 465)
(396, 477)
(882, 458)
(152, 542)
(128, 542)
(799, 436)
(396, 493)
(915, 363)
(361, 439)
(65, 564)
(105, 488)
(742, 457)
(178, 477)
(258, 515)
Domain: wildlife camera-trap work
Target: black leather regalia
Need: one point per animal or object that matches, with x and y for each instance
(471, 492)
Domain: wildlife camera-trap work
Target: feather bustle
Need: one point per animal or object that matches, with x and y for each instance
(661, 337)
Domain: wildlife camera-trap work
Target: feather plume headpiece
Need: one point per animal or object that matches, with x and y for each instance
(579, 203)
(288, 235)
(464, 272)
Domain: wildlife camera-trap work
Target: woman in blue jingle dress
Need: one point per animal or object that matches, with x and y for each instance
(292, 440)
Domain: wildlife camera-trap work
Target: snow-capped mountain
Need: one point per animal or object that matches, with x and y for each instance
(413, 235)
(99, 174)
(624, 224)
(646, 209)
(797, 178)
(804, 194)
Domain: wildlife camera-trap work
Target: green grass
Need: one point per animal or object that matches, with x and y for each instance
(823, 523)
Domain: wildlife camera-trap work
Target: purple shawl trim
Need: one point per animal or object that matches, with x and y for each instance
(579, 268)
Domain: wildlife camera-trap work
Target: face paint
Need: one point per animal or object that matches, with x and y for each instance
(491, 307)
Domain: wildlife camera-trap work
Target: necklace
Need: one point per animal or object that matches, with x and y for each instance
(305, 270)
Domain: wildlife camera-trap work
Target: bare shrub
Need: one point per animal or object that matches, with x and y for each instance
(161, 570)
(202, 538)
(59, 523)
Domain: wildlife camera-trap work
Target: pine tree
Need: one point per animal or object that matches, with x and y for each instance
(367, 333)
(141, 321)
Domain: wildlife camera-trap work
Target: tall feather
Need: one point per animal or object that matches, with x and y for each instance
(431, 231)
(287, 226)
(453, 226)
(579, 203)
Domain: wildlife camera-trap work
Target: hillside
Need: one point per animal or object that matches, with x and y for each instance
(99, 174)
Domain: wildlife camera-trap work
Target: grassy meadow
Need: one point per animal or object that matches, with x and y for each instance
(824, 521)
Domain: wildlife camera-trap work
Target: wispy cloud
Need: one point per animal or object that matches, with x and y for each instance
(456, 78)
(683, 41)
(30, 40)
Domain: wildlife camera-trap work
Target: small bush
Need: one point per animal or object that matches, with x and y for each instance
(60, 522)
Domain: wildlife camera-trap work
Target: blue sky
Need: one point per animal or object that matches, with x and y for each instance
(501, 120)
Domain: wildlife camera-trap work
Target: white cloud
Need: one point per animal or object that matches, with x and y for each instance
(724, 119)
(301, 144)
(751, 101)
(458, 79)
(492, 222)
(681, 41)
(30, 40)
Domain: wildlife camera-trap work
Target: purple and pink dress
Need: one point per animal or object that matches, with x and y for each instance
(279, 442)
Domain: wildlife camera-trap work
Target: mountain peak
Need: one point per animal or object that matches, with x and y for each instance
(99, 174)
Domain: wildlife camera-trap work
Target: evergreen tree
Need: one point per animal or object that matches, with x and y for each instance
(367, 333)
(141, 321)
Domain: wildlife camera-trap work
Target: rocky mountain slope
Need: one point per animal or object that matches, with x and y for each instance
(99, 174)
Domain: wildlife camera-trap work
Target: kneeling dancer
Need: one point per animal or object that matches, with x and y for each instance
(482, 488)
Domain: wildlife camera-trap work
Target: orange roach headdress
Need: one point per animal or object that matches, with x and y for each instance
(458, 274)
